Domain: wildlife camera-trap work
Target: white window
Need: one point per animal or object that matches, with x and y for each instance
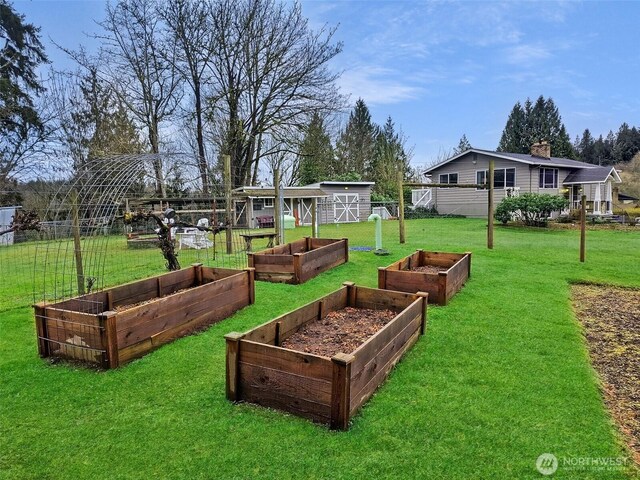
(450, 178)
(268, 202)
(548, 178)
(502, 177)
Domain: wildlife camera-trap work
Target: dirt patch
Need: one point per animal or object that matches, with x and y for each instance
(340, 331)
(429, 269)
(611, 320)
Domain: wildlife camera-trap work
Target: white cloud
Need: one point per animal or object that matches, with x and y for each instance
(527, 55)
(376, 85)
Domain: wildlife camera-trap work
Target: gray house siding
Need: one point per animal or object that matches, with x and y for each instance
(473, 203)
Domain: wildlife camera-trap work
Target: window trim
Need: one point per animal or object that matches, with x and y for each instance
(504, 183)
(541, 178)
(268, 202)
(448, 175)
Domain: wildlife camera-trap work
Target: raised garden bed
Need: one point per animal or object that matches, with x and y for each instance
(114, 326)
(439, 274)
(328, 390)
(150, 241)
(299, 261)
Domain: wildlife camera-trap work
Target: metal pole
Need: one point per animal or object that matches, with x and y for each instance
(401, 207)
(583, 226)
(490, 207)
(227, 190)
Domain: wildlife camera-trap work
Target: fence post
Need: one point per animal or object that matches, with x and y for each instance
(490, 206)
(314, 217)
(583, 226)
(227, 190)
(401, 206)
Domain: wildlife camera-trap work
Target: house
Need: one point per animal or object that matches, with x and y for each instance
(338, 202)
(516, 173)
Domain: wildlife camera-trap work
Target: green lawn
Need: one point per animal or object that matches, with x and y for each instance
(501, 376)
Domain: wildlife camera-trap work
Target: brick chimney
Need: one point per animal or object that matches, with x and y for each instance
(541, 149)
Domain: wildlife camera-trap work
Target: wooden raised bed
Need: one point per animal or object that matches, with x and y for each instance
(114, 326)
(441, 286)
(323, 389)
(299, 261)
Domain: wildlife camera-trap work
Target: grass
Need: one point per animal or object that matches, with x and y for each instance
(501, 376)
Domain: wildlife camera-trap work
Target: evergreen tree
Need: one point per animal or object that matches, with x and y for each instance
(390, 157)
(585, 148)
(463, 145)
(355, 148)
(535, 122)
(20, 57)
(627, 143)
(315, 153)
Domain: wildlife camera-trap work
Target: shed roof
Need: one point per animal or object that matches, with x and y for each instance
(287, 192)
(355, 184)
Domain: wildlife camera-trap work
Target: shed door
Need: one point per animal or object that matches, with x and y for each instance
(305, 211)
(346, 207)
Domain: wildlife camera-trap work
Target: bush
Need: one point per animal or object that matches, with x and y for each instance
(533, 209)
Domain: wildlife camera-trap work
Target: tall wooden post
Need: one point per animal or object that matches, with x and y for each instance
(490, 206)
(583, 226)
(77, 244)
(401, 206)
(314, 217)
(227, 191)
(277, 208)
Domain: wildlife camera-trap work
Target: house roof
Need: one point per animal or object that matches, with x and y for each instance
(594, 174)
(624, 196)
(518, 157)
(287, 192)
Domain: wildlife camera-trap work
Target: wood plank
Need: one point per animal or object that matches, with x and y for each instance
(383, 299)
(135, 351)
(277, 381)
(291, 322)
(111, 339)
(290, 361)
(341, 391)
(361, 397)
(275, 277)
(366, 368)
(232, 378)
(260, 395)
(412, 282)
(262, 268)
(375, 343)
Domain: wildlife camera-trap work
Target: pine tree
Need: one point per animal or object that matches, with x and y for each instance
(389, 159)
(627, 143)
(356, 145)
(585, 148)
(463, 145)
(20, 57)
(535, 122)
(315, 153)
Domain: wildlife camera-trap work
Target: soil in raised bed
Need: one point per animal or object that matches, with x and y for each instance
(340, 331)
(611, 320)
(429, 269)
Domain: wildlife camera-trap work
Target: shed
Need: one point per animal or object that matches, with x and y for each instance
(254, 202)
(346, 202)
(6, 217)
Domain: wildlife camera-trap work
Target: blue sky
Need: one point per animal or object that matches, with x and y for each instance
(443, 69)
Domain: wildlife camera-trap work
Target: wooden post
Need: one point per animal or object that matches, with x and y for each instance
(252, 282)
(490, 206)
(401, 206)
(583, 226)
(297, 267)
(197, 274)
(77, 244)
(341, 391)
(109, 337)
(314, 217)
(41, 330)
(227, 190)
(382, 277)
(468, 264)
(278, 340)
(233, 356)
(351, 293)
(425, 302)
(277, 208)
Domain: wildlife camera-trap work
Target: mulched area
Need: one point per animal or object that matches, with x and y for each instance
(340, 331)
(429, 269)
(611, 320)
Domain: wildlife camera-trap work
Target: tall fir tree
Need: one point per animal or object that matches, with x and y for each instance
(355, 148)
(463, 145)
(315, 153)
(390, 157)
(535, 122)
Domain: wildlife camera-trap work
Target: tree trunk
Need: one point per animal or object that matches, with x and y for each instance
(202, 161)
(157, 161)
